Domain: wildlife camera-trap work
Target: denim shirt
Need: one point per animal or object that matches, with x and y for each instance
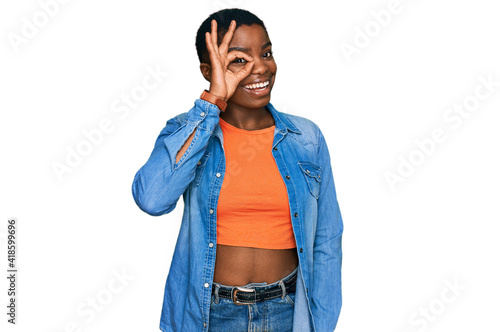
(303, 160)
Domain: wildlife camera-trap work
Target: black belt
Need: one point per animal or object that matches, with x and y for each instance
(243, 295)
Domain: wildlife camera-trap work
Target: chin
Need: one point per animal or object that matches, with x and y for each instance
(245, 99)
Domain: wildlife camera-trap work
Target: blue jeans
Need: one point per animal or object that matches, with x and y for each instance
(274, 315)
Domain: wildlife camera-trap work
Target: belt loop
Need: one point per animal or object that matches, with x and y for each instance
(217, 286)
(283, 289)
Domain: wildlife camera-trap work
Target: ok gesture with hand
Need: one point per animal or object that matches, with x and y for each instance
(223, 82)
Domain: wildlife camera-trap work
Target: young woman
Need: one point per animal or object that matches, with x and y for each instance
(259, 247)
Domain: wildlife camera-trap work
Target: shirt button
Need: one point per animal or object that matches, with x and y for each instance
(206, 285)
(204, 324)
(275, 148)
(199, 162)
(319, 176)
(307, 171)
(301, 250)
(288, 177)
(217, 175)
(211, 211)
(295, 214)
(211, 245)
(202, 113)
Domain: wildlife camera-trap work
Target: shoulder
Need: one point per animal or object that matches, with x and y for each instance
(309, 130)
(303, 123)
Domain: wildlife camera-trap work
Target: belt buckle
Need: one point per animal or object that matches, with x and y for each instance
(241, 289)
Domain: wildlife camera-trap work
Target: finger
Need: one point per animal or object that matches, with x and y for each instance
(231, 56)
(245, 71)
(214, 58)
(227, 37)
(214, 36)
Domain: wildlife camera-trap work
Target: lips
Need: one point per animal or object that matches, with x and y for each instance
(258, 89)
(255, 86)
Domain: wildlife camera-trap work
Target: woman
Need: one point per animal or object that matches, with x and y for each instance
(260, 241)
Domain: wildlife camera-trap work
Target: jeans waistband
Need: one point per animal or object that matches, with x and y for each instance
(262, 290)
(264, 284)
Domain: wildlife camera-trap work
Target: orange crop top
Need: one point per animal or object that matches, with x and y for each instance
(253, 208)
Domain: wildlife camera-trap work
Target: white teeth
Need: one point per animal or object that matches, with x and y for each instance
(256, 85)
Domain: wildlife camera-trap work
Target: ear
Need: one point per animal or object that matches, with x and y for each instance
(206, 70)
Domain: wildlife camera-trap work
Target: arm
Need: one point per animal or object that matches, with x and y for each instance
(171, 167)
(158, 185)
(327, 250)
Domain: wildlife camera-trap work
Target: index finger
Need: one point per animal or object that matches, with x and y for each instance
(238, 54)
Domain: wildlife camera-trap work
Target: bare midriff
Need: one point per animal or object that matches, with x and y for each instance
(238, 266)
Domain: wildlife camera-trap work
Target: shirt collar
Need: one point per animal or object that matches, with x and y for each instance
(281, 122)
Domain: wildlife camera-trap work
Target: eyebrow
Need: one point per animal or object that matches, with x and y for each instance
(243, 49)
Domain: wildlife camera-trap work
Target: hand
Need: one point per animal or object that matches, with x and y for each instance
(223, 82)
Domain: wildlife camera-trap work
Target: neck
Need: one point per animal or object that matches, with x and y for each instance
(246, 118)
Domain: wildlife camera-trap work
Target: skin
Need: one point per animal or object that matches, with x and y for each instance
(230, 69)
(239, 60)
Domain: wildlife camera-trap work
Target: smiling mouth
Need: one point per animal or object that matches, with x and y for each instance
(257, 86)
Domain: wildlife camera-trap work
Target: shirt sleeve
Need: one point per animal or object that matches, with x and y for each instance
(326, 296)
(158, 185)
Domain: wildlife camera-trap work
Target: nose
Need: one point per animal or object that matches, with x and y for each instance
(259, 67)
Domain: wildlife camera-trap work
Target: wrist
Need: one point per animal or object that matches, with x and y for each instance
(211, 98)
(218, 95)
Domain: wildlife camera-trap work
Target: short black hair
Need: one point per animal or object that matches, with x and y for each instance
(223, 18)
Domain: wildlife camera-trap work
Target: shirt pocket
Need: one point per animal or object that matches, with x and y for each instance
(312, 174)
(200, 167)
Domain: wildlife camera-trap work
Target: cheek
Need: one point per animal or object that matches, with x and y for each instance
(272, 67)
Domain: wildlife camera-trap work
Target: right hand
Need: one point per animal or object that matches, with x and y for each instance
(223, 82)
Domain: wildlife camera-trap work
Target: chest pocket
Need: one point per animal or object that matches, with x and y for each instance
(200, 167)
(312, 174)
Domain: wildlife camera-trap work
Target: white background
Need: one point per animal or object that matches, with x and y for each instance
(402, 247)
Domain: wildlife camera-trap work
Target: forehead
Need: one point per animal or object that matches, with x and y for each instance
(249, 36)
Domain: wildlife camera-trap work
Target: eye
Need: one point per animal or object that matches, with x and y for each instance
(268, 54)
(239, 60)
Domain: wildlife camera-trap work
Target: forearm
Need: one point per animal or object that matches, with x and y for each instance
(327, 280)
(158, 184)
(326, 296)
(185, 146)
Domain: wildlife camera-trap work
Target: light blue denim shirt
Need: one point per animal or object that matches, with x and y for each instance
(303, 160)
